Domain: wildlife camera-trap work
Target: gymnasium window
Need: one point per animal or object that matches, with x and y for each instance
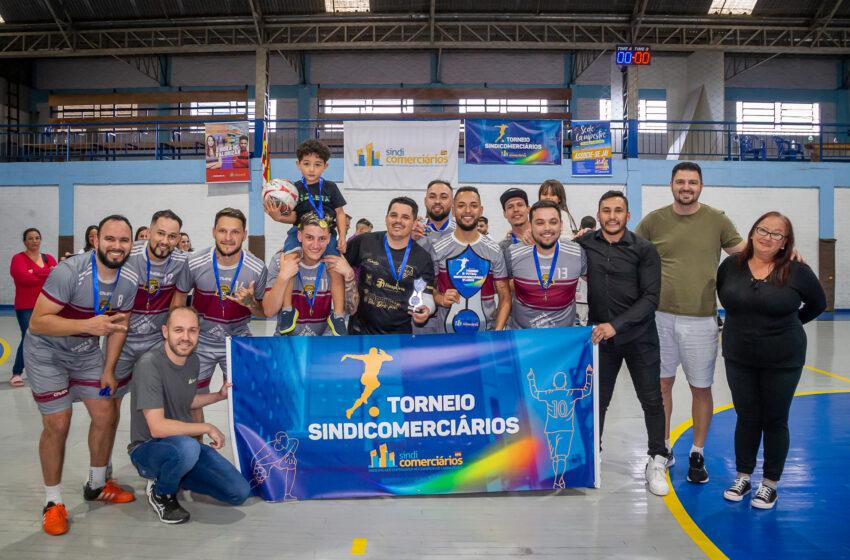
(328, 107)
(208, 108)
(778, 117)
(95, 111)
(733, 7)
(503, 106)
(649, 114)
(336, 6)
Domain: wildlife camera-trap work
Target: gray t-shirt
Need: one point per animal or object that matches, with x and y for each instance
(306, 284)
(160, 383)
(433, 235)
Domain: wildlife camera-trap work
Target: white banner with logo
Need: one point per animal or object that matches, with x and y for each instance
(400, 154)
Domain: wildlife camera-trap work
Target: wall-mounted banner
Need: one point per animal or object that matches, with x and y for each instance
(399, 155)
(337, 417)
(517, 142)
(591, 146)
(227, 153)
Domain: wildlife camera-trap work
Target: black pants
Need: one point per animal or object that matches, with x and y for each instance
(643, 358)
(762, 399)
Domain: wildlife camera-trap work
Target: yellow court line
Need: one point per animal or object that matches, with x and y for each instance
(828, 373)
(675, 506)
(358, 547)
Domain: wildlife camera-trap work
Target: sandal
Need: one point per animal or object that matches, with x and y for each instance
(16, 381)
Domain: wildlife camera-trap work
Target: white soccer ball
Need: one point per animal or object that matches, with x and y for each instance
(282, 191)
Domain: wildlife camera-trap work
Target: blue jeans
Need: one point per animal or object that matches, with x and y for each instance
(178, 462)
(291, 242)
(23, 316)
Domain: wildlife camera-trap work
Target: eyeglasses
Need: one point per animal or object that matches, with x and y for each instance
(775, 235)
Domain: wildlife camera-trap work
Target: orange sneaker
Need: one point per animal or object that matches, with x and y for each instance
(54, 520)
(111, 493)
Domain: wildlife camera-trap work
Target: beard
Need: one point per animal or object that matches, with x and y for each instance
(223, 253)
(166, 252)
(545, 246)
(180, 351)
(464, 227)
(101, 256)
(437, 217)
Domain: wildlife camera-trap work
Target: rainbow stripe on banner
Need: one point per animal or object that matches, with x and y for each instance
(407, 415)
(527, 142)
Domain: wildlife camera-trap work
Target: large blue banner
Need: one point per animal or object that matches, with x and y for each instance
(335, 417)
(529, 142)
(591, 147)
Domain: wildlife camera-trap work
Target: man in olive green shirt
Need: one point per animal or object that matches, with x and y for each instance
(689, 237)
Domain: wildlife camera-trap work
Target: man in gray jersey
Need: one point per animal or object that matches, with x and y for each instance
(87, 296)
(470, 271)
(229, 286)
(164, 281)
(545, 275)
(438, 223)
(311, 292)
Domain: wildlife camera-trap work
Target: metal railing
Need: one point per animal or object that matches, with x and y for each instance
(723, 140)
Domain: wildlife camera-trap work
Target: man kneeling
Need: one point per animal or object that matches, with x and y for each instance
(163, 445)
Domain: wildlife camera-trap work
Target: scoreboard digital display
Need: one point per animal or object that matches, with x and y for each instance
(632, 55)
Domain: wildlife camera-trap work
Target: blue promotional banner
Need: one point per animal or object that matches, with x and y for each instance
(529, 142)
(337, 417)
(591, 147)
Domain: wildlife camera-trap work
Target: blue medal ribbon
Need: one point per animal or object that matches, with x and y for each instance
(398, 273)
(148, 280)
(95, 288)
(514, 239)
(441, 228)
(312, 300)
(218, 278)
(546, 285)
(320, 209)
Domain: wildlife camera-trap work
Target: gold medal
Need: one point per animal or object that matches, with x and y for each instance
(323, 224)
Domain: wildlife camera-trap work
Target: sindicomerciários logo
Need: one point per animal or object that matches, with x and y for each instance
(399, 157)
(383, 458)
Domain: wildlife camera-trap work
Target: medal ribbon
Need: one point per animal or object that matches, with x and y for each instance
(148, 281)
(218, 278)
(95, 288)
(546, 285)
(514, 239)
(397, 273)
(312, 300)
(441, 228)
(320, 209)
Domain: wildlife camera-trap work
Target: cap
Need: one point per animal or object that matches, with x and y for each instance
(513, 193)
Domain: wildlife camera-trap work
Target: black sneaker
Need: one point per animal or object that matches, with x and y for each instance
(740, 488)
(671, 459)
(166, 506)
(696, 469)
(337, 325)
(765, 497)
(286, 321)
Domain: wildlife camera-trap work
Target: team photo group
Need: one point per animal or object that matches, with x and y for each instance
(150, 318)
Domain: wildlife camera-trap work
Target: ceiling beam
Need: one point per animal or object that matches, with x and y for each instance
(257, 16)
(59, 22)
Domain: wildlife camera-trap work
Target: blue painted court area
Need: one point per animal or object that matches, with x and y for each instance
(811, 518)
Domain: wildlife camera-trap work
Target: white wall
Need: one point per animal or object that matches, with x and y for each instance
(370, 68)
(745, 205)
(790, 73)
(545, 68)
(196, 204)
(842, 255)
(88, 73)
(25, 207)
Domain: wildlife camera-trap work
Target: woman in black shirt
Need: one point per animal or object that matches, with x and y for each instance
(768, 297)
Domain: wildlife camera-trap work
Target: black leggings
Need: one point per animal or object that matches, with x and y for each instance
(762, 399)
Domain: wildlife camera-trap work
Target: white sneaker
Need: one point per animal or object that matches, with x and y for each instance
(656, 479)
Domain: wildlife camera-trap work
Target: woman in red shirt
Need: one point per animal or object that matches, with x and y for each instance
(29, 270)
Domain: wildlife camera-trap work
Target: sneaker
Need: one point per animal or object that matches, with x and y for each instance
(740, 488)
(111, 493)
(656, 475)
(54, 519)
(337, 325)
(286, 321)
(696, 469)
(166, 506)
(765, 497)
(671, 459)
